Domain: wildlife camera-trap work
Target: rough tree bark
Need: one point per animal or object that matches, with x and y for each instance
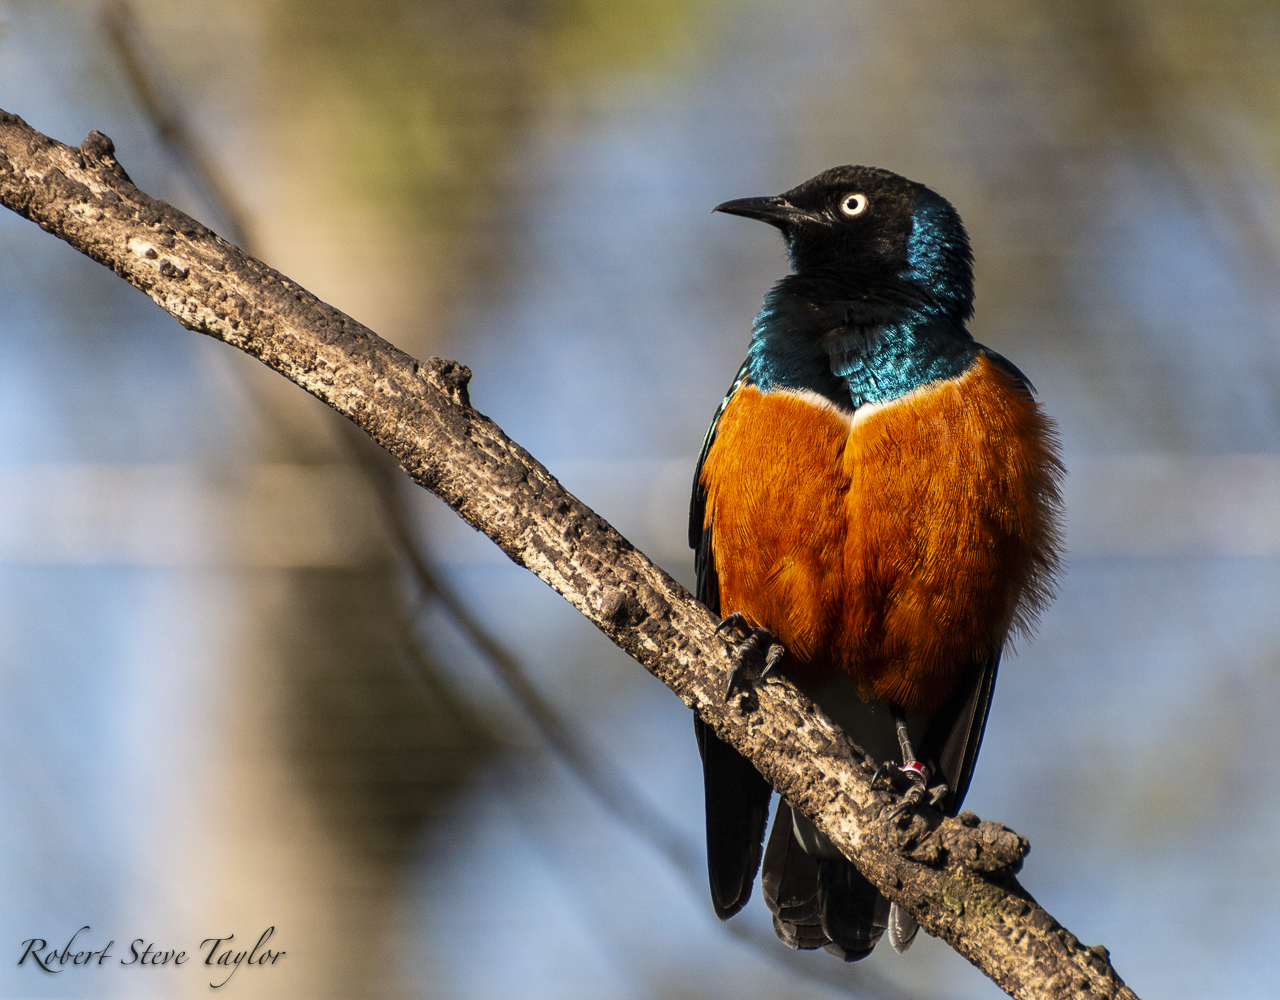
(955, 875)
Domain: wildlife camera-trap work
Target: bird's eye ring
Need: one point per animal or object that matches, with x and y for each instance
(854, 204)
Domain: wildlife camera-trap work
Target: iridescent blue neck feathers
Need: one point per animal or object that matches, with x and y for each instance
(872, 348)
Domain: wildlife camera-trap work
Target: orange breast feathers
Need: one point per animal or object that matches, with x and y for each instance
(899, 544)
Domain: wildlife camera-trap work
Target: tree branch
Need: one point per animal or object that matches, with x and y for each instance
(955, 875)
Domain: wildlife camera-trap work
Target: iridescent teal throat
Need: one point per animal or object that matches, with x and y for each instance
(885, 362)
(852, 365)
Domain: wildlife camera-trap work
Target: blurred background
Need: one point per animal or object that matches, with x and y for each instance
(251, 679)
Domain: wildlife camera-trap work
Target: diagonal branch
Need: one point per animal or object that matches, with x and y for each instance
(955, 875)
(607, 784)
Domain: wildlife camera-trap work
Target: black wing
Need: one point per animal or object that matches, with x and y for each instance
(954, 736)
(737, 796)
(699, 537)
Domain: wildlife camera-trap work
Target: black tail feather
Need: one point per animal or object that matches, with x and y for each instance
(737, 813)
(854, 914)
(790, 880)
(819, 902)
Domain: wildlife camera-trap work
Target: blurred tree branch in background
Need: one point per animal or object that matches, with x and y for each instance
(955, 875)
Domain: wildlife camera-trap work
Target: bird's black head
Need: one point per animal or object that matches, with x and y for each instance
(873, 225)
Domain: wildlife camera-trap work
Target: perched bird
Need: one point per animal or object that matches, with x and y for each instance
(876, 503)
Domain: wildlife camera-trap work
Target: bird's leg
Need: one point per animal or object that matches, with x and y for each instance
(909, 762)
(914, 769)
(747, 654)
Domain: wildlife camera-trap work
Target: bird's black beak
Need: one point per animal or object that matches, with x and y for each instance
(776, 211)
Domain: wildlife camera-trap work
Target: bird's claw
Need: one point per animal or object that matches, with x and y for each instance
(734, 620)
(776, 652)
(910, 799)
(746, 656)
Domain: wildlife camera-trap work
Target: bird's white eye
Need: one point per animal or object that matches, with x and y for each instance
(854, 204)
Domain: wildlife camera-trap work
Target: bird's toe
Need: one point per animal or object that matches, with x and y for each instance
(756, 656)
(734, 621)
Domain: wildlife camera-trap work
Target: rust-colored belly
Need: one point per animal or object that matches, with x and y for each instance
(898, 545)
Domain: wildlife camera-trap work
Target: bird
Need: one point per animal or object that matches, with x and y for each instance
(876, 508)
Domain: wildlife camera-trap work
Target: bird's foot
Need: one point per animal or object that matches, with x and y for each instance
(746, 658)
(916, 778)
